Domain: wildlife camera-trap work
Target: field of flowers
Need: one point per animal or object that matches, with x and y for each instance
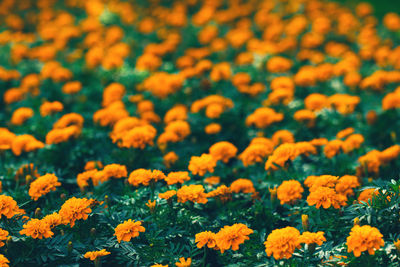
(199, 133)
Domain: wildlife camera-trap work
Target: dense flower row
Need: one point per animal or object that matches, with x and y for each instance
(198, 132)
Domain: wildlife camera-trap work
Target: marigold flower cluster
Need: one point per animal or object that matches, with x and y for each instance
(223, 124)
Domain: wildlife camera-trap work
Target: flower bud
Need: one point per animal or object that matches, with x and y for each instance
(38, 213)
(305, 222)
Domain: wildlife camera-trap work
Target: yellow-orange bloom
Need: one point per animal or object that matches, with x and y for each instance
(281, 243)
(167, 195)
(3, 236)
(232, 236)
(364, 238)
(177, 177)
(92, 255)
(127, 230)
(193, 193)
(205, 238)
(56, 136)
(43, 185)
(242, 185)
(326, 197)
(144, 177)
(4, 261)
(263, 117)
(21, 115)
(223, 151)
(48, 108)
(201, 165)
(37, 229)
(312, 238)
(8, 207)
(289, 191)
(75, 209)
(184, 262)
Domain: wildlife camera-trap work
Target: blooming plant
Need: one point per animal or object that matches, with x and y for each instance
(199, 133)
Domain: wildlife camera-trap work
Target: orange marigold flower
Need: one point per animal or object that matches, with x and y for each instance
(212, 180)
(4, 261)
(3, 236)
(346, 184)
(112, 93)
(220, 71)
(162, 84)
(222, 192)
(364, 238)
(392, 21)
(263, 117)
(257, 151)
(367, 194)
(281, 243)
(37, 229)
(114, 170)
(371, 161)
(316, 102)
(305, 115)
(6, 138)
(9, 207)
(43, 185)
(167, 195)
(289, 191)
(223, 151)
(128, 229)
(92, 255)
(144, 177)
(332, 148)
(212, 128)
(193, 193)
(57, 136)
(91, 165)
(184, 263)
(170, 158)
(242, 185)
(279, 64)
(139, 137)
(72, 87)
(53, 220)
(280, 156)
(75, 209)
(313, 182)
(48, 108)
(232, 236)
(205, 238)
(313, 238)
(21, 115)
(177, 177)
(344, 133)
(68, 120)
(282, 137)
(326, 197)
(201, 165)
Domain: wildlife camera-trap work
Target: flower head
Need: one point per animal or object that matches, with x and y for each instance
(232, 236)
(75, 209)
(281, 243)
(43, 185)
(364, 238)
(289, 191)
(92, 255)
(127, 230)
(37, 229)
(205, 238)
